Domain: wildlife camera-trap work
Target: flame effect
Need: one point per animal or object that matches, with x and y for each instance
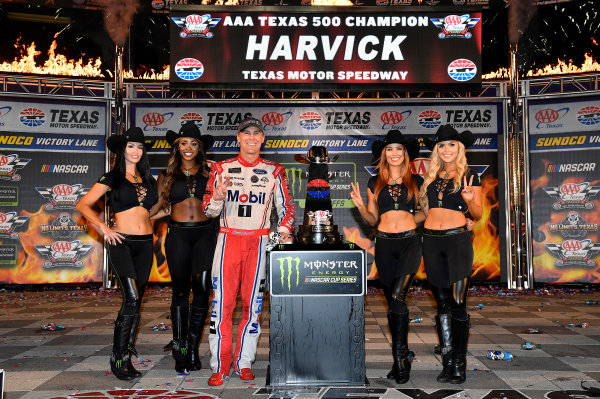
(561, 68)
(29, 268)
(543, 261)
(486, 243)
(58, 64)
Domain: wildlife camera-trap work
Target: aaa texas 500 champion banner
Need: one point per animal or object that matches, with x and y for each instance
(322, 47)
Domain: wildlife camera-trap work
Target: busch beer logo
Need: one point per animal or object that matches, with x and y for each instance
(573, 226)
(62, 196)
(292, 266)
(11, 225)
(9, 164)
(195, 25)
(235, 196)
(546, 118)
(574, 253)
(455, 26)
(572, 195)
(63, 253)
(63, 227)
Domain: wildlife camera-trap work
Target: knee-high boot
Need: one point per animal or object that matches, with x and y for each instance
(402, 356)
(438, 327)
(131, 346)
(119, 358)
(197, 320)
(460, 338)
(445, 328)
(178, 346)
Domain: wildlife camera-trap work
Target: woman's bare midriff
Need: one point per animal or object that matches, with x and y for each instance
(188, 210)
(396, 222)
(443, 219)
(133, 221)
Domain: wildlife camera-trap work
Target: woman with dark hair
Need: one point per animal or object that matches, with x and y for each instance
(392, 197)
(190, 241)
(131, 193)
(450, 190)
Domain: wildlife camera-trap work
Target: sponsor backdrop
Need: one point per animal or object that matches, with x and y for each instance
(564, 147)
(50, 155)
(348, 131)
(321, 48)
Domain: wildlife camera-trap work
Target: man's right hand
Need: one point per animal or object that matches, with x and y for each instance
(220, 192)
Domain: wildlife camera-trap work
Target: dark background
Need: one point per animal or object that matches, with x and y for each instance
(565, 31)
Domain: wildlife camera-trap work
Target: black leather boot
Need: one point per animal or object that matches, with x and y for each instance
(392, 374)
(438, 348)
(460, 338)
(131, 345)
(197, 320)
(402, 356)
(178, 346)
(119, 357)
(445, 327)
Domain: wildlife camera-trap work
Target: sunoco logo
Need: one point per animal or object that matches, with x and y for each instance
(290, 265)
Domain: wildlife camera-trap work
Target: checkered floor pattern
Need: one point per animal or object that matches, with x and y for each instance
(72, 362)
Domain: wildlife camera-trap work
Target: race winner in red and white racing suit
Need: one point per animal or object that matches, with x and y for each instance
(254, 188)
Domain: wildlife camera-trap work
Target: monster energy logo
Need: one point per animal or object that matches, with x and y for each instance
(119, 363)
(290, 265)
(292, 174)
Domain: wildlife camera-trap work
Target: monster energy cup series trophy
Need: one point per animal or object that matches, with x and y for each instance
(318, 227)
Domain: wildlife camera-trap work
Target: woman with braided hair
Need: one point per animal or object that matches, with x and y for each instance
(190, 241)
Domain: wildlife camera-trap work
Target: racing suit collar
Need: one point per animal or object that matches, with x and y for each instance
(246, 163)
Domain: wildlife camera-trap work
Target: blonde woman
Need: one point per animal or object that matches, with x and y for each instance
(450, 190)
(392, 198)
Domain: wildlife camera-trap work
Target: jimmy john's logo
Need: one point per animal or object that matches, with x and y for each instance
(575, 253)
(572, 195)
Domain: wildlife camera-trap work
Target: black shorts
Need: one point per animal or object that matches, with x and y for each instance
(397, 255)
(448, 258)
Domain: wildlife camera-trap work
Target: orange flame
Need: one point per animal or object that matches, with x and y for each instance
(29, 268)
(58, 64)
(561, 68)
(160, 270)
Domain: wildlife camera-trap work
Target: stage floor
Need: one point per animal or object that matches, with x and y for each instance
(73, 362)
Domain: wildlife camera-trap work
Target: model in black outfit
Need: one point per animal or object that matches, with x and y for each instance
(392, 197)
(190, 241)
(449, 191)
(131, 192)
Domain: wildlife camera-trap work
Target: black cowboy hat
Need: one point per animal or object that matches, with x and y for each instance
(447, 132)
(134, 134)
(190, 129)
(396, 137)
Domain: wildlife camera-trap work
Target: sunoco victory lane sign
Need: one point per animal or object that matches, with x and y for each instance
(219, 47)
